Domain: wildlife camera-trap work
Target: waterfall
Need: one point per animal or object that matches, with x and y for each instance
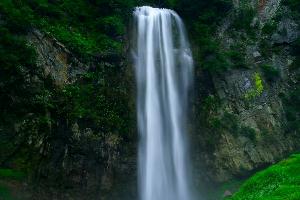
(164, 65)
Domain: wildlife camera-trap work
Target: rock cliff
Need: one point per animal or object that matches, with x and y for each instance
(248, 122)
(241, 115)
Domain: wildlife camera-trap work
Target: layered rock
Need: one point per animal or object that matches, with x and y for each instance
(253, 102)
(78, 161)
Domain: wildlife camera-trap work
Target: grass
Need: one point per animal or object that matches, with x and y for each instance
(9, 177)
(11, 174)
(5, 193)
(278, 182)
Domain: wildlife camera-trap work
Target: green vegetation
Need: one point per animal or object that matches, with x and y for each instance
(228, 122)
(9, 177)
(269, 28)
(292, 110)
(295, 51)
(258, 88)
(202, 19)
(270, 72)
(33, 108)
(292, 98)
(294, 5)
(19, 87)
(5, 193)
(248, 132)
(236, 57)
(86, 27)
(278, 182)
(266, 48)
(243, 20)
(11, 174)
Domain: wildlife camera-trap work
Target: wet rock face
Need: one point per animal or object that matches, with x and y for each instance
(55, 59)
(235, 154)
(287, 32)
(255, 103)
(79, 162)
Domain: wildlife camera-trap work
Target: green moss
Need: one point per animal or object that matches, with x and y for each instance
(7, 176)
(280, 181)
(5, 193)
(11, 174)
(258, 83)
(258, 87)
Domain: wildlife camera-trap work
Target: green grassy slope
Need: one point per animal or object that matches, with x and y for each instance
(278, 182)
(10, 180)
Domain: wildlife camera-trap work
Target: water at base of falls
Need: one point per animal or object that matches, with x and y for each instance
(164, 65)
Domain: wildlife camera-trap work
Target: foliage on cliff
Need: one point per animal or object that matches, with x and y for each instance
(35, 112)
(202, 19)
(19, 88)
(86, 27)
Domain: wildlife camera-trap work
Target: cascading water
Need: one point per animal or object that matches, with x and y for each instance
(164, 65)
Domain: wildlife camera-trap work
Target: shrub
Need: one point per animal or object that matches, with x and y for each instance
(230, 122)
(269, 28)
(210, 56)
(14, 18)
(265, 48)
(243, 20)
(112, 25)
(211, 103)
(292, 110)
(237, 58)
(270, 72)
(294, 5)
(248, 132)
(202, 19)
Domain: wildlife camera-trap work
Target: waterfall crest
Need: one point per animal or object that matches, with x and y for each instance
(164, 65)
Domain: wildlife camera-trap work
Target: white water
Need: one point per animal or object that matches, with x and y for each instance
(164, 65)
